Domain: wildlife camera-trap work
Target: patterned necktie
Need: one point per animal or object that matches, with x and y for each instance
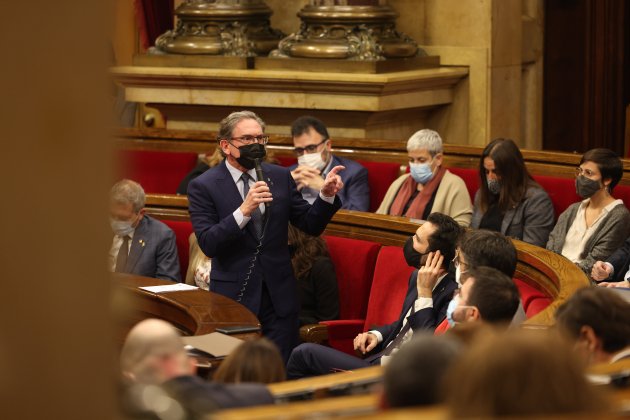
(123, 252)
(256, 216)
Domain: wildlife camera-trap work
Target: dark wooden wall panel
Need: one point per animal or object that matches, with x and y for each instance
(587, 75)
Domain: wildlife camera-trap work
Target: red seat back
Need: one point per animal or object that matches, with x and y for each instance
(622, 192)
(533, 299)
(389, 287)
(285, 161)
(157, 172)
(560, 190)
(354, 261)
(470, 177)
(182, 232)
(380, 177)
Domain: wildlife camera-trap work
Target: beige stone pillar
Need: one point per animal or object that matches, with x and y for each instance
(56, 346)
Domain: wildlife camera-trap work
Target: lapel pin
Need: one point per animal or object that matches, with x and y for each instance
(142, 243)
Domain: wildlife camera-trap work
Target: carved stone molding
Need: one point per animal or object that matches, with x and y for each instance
(238, 28)
(351, 32)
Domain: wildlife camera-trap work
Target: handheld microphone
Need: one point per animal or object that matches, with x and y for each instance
(259, 174)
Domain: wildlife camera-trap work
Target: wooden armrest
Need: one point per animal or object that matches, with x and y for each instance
(314, 333)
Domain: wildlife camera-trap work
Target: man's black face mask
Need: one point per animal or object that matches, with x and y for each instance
(249, 153)
(414, 258)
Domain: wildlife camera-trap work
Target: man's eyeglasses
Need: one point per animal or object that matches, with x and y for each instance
(311, 148)
(456, 262)
(586, 172)
(261, 139)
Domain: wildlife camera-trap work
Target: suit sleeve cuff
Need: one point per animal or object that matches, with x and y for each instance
(329, 200)
(379, 336)
(422, 303)
(240, 219)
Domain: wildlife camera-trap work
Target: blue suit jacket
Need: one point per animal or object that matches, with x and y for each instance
(425, 319)
(355, 194)
(213, 197)
(620, 260)
(153, 251)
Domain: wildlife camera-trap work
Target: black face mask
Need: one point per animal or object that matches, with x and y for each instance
(413, 257)
(249, 153)
(585, 187)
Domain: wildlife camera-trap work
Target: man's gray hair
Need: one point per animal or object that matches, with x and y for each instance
(425, 139)
(128, 192)
(226, 127)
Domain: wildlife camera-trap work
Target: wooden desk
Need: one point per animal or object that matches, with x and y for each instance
(194, 312)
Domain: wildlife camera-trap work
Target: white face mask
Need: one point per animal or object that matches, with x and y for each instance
(314, 160)
(121, 227)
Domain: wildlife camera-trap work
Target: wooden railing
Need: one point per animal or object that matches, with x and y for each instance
(542, 269)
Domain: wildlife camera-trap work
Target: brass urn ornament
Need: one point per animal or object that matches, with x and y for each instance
(237, 28)
(348, 29)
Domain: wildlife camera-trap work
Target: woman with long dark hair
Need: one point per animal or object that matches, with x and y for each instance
(315, 274)
(509, 200)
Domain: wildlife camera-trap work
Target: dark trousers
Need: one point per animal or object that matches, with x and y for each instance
(314, 359)
(283, 331)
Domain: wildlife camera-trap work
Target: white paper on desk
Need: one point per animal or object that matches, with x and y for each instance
(175, 287)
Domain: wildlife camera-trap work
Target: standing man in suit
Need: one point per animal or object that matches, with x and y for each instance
(241, 222)
(430, 290)
(312, 146)
(141, 245)
(615, 269)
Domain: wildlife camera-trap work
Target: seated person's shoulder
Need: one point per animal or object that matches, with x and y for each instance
(351, 165)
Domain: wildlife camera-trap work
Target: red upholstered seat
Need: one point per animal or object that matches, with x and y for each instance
(533, 299)
(622, 192)
(387, 294)
(182, 232)
(380, 177)
(157, 172)
(354, 261)
(391, 276)
(285, 161)
(470, 177)
(560, 190)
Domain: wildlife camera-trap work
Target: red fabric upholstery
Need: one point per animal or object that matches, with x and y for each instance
(157, 172)
(380, 177)
(388, 287)
(341, 334)
(354, 261)
(285, 161)
(182, 232)
(560, 190)
(470, 177)
(533, 299)
(622, 192)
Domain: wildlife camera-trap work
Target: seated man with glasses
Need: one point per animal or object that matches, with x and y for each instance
(312, 146)
(483, 248)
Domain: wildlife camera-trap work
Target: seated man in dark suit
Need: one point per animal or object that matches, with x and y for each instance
(154, 355)
(429, 292)
(141, 244)
(615, 269)
(312, 146)
(414, 374)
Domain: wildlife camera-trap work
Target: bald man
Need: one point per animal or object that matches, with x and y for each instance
(154, 354)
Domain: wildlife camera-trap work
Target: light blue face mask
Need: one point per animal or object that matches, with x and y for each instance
(421, 172)
(452, 305)
(121, 227)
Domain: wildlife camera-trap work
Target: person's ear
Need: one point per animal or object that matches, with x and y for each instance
(589, 339)
(438, 159)
(473, 314)
(225, 147)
